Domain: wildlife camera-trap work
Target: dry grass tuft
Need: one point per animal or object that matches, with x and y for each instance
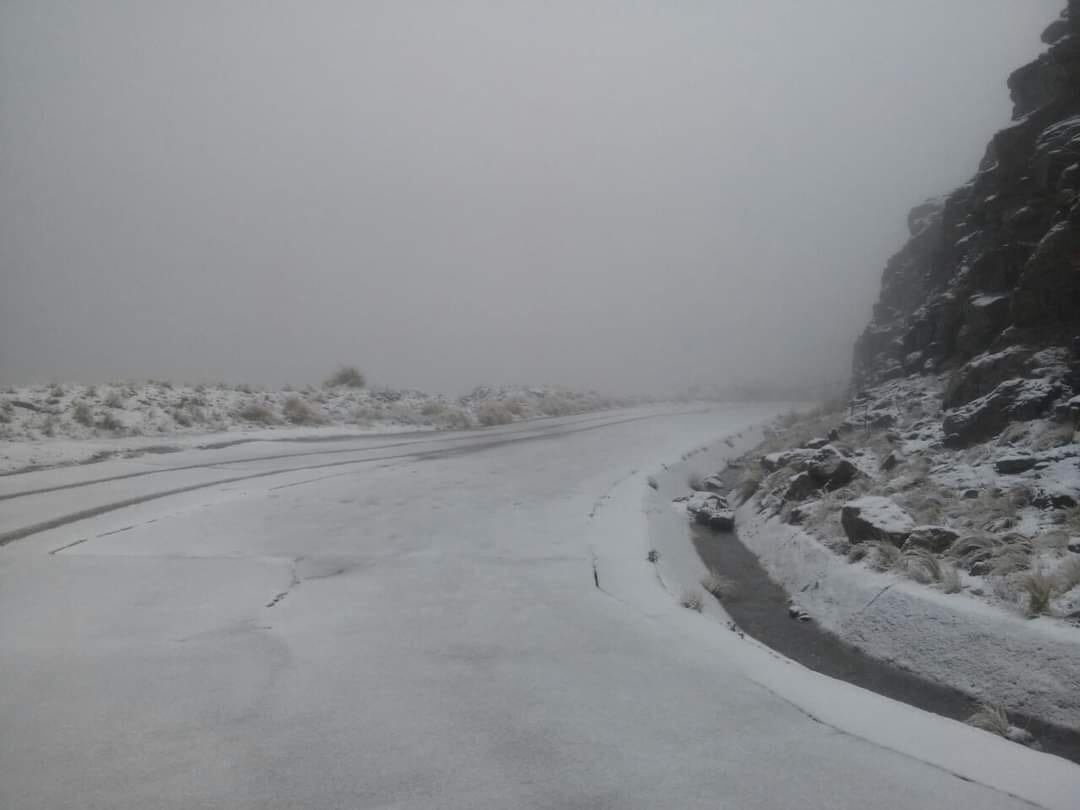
(921, 565)
(1040, 588)
(1068, 574)
(691, 600)
(991, 717)
(950, 579)
(879, 555)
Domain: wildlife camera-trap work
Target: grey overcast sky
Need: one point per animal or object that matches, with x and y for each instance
(622, 195)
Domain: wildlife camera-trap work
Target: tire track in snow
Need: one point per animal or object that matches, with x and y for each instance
(544, 430)
(429, 455)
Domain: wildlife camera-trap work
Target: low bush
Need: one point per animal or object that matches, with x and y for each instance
(493, 413)
(257, 413)
(110, 423)
(299, 412)
(691, 600)
(992, 718)
(346, 377)
(83, 414)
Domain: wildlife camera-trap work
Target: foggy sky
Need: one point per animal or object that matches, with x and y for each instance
(623, 195)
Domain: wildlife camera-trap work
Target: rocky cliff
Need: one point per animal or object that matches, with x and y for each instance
(987, 289)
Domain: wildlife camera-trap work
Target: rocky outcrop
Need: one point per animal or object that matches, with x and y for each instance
(1016, 400)
(991, 273)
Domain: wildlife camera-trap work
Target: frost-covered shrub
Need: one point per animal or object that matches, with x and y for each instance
(257, 413)
(83, 414)
(692, 601)
(110, 423)
(347, 377)
(493, 413)
(453, 418)
(556, 405)
(298, 412)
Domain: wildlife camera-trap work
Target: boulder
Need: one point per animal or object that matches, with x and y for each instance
(712, 510)
(1015, 464)
(798, 515)
(800, 487)
(829, 469)
(890, 461)
(816, 444)
(785, 458)
(874, 517)
(714, 483)
(933, 538)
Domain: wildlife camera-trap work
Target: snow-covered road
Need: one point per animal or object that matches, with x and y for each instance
(412, 622)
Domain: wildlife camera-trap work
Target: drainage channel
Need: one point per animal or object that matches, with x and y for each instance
(759, 607)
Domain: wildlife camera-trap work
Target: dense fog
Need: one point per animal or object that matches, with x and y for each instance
(633, 197)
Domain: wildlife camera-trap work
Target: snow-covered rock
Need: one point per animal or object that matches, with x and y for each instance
(1015, 464)
(711, 509)
(933, 538)
(874, 517)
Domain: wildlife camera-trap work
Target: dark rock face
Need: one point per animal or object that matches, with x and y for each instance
(991, 272)
(1013, 401)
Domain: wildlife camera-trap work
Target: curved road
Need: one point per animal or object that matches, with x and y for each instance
(388, 622)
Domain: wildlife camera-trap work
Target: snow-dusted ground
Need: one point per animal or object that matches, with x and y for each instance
(413, 623)
(49, 425)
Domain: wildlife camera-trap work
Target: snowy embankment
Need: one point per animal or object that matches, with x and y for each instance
(49, 425)
(1027, 665)
(621, 545)
(959, 565)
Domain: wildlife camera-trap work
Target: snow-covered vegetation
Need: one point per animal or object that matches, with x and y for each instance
(44, 415)
(999, 520)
